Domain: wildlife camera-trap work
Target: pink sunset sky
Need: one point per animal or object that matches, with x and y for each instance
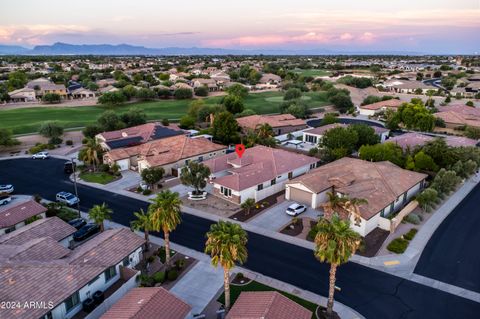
(441, 26)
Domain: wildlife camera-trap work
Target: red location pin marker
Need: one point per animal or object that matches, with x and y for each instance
(239, 149)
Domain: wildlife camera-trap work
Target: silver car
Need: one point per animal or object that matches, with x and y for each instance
(6, 189)
(296, 209)
(41, 155)
(67, 198)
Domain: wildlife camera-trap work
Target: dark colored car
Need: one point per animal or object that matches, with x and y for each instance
(86, 231)
(69, 167)
(78, 223)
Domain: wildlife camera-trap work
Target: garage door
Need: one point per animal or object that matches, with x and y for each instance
(300, 196)
(123, 164)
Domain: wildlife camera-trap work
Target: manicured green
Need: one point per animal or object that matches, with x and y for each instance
(29, 119)
(312, 72)
(256, 286)
(97, 177)
(398, 245)
(411, 233)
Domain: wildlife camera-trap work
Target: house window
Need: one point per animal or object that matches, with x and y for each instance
(312, 166)
(259, 187)
(290, 175)
(186, 162)
(110, 273)
(9, 230)
(273, 182)
(126, 261)
(200, 159)
(72, 301)
(226, 191)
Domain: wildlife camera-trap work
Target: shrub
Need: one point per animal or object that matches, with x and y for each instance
(411, 233)
(413, 219)
(146, 281)
(201, 91)
(239, 276)
(51, 146)
(312, 233)
(55, 140)
(85, 140)
(104, 168)
(150, 259)
(165, 122)
(162, 254)
(139, 189)
(172, 275)
(146, 192)
(159, 277)
(37, 148)
(398, 245)
(182, 94)
(179, 264)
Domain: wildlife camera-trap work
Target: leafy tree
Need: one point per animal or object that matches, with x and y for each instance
(195, 175)
(472, 132)
(51, 130)
(165, 215)
(427, 199)
(469, 167)
(100, 213)
(329, 118)
(238, 90)
(335, 243)
(187, 122)
(233, 104)
(152, 175)
(183, 94)
(292, 94)
(201, 91)
(129, 91)
(248, 205)
(16, 80)
(340, 141)
(366, 135)
(382, 152)
(163, 93)
(92, 130)
(225, 128)
(6, 138)
(424, 162)
(133, 117)
(227, 245)
(143, 222)
(52, 98)
(358, 82)
(246, 112)
(440, 152)
(392, 119)
(445, 181)
(342, 102)
(449, 82)
(299, 110)
(145, 94)
(110, 121)
(112, 98)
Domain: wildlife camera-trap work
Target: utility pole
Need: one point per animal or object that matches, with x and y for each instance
(75, 185)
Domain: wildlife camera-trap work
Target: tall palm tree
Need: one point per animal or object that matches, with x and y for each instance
(264, 131)
(226, 244)
(91, 153)
(352, 205)
(100, 213)
(165, 215)
(334, 203)
(335, 243)
(143, 223)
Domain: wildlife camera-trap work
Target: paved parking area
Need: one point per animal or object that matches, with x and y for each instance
(275, 217)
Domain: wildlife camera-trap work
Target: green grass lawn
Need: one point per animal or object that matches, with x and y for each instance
(29, 119)
(256, 286)
(312, 72)
(98, 177)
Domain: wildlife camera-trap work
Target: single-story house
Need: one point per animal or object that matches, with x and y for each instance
(172, 153)
(67, 277)
(82, 93)
(414, 139)
(270, 78)
(385, 186)
(148, 302)
(108, 89)
(281, 124)
(261, 171)
(136, 135)
(405, 86)
(315, 135)
(459, 115)
(374, 108)
(266, 305)
(210, 84)
(19, 213)
(23, 95)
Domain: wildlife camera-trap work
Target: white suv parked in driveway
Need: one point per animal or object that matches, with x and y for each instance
(41, 155)
(296, 209)
(67, 198)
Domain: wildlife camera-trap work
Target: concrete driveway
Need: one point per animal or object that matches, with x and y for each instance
(275, 217)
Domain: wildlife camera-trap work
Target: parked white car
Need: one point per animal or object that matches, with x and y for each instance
(5, 199)
(296, 209)
(6, 189)
(41, 155)
(67, 198)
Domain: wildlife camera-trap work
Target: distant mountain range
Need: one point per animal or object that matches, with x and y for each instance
(126, 49)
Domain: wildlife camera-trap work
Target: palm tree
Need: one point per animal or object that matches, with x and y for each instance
(143, 222)
(99, 213)
(264, 131)
(335, 243)
(91, 151)
(352, 205)
(165, 215)
(247, 205)
(226, 244)
(334, 203)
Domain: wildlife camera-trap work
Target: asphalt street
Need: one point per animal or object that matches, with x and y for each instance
(372, 293)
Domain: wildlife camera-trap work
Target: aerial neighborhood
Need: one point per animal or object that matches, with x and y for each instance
(323, 167)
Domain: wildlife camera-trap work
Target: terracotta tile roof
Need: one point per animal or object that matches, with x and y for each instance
(281, 120)
(459, 115)
(259, 164)
(266, 305)
(412, 139)
(380, 183)
(106, 249)
(152, 303)
(146, 132)
(52, 227)
(459, 141)
(321, 130)
(15, 213)
(393, 103)
(40, 249)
